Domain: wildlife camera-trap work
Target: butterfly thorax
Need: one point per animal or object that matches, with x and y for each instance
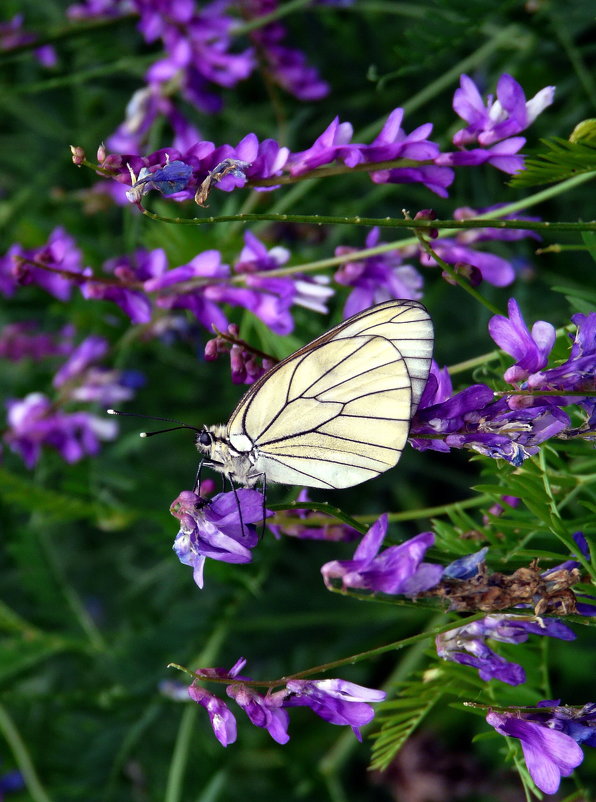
(235, 460)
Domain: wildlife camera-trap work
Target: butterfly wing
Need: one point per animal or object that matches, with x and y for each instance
(337, 412)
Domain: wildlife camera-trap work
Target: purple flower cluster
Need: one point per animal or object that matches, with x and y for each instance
(512, 428)
(36, 421)
(467, 644)
(21, 341)
(200, 54)
(493, 124)
(12, 35)
(376, 278)
(336, 701)
(52, 267)
(550, 738)
(421, 160)
(397, 569)
(220, 528)
(200, 286)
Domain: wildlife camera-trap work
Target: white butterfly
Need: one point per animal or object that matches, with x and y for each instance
(335, 413)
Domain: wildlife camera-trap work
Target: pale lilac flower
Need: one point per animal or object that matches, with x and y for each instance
(549, 754)
(397, 569)
(335, 700)
(220, 528)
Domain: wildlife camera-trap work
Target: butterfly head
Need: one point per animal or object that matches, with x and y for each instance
(222, 456)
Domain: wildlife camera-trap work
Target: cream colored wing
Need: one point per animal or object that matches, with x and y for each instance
(338, 411)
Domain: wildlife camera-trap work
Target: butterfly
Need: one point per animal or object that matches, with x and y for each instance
(334, 413)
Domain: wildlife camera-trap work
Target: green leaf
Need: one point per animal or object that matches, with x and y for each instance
(561, 160)
(400, 717)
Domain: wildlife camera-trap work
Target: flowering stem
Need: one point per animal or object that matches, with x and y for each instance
(386, 222)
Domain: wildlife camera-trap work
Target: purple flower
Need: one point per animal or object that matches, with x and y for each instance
(508, 115)
(376, 278)
(549, 754)
(131, 271)
(263, 711)
(332, 144)
(18, 341)
(335, 700)
(502, 155)
(393, 143)
(219, 528)
(222, 719)
(34, 422)
(398, 569)
(59, 256)
(12, 35)
(286, 66)
(531, 350)
(467, 644)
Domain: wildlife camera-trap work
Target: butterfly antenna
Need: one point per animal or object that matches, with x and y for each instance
(179, 424)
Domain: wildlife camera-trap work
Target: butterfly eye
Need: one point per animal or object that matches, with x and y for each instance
(204, 439)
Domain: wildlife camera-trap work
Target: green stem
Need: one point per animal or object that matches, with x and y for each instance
(259, 22)
(173, 792)
(455, 277)
(22, 758)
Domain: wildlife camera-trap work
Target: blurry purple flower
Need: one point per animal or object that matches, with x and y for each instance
(376, 278)
(19, 341)
(222, 719)
(531, 350)
(34, 422)
(335, 700)
(494, 269)
(131, 271)
(92, 9)
(508, 115)
(59, 254)
(285, 66)
(467, 644)
(10, 782)
(219, 528)
(549, 754)
(398, 569)
(12, 35)
(263, 711)
(92, 349)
